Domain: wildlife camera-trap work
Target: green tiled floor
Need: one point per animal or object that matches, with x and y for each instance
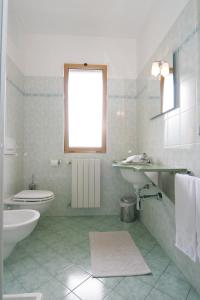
(55, 260)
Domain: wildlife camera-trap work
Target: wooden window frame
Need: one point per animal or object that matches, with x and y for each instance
(85, 66)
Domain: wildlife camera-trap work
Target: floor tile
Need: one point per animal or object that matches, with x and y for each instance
(73, 237)
(23, 266)
(156, 262)
(13, 287)
(114, 296)
(78, 254)
(84, 248)
(35, 246)
(71, 296)
(174, 271)
(8, 274)
(85, 264)
(158, 253)
(157, 268)
(27, 241)
(158, 295)
(57, 264)
(55, 259)
(132, 288)
(34, 279)
(53, 290)
(173, 286)
(138, 228)
(193, 295)
(51, 238)
(146, 241)
(151, 279)
(18, 253)
(143, 251)
(72, 277)
(64, 248)
(111, 282)
(92, 289)
(44, 255)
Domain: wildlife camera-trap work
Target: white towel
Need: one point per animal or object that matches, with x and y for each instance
(197, 188)
(185, 215)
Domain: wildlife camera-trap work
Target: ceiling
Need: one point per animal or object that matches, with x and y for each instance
(108, 18)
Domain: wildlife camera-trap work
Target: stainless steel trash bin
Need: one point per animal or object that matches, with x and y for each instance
(127, 209)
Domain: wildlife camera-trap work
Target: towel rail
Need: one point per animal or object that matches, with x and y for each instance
(190, 173)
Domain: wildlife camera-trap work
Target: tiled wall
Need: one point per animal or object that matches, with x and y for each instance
(173, 138)
(14, 130)
(43, 141)
(35, 120)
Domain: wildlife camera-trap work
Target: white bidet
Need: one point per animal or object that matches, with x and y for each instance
(17, 225)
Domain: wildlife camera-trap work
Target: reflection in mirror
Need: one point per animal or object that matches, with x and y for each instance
(167, 92)
(154, 97)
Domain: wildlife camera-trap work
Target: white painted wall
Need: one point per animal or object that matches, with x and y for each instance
(3, 36)
(14, 51)
(161, 17)
(41, 59)
(44, 55)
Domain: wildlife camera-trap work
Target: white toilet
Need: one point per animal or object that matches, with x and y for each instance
(31, 199)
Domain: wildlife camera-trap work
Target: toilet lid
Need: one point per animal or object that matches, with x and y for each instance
(33, 194)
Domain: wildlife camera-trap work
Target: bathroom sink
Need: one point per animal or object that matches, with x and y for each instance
(138, 179)
(149, 167)
(136, 173)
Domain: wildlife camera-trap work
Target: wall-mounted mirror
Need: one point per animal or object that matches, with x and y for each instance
(162, 90)
(167, 97)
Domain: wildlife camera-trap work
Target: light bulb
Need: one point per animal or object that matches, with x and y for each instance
(164, 69)
(155, 69)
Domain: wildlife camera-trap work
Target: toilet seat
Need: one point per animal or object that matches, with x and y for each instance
(33, 196)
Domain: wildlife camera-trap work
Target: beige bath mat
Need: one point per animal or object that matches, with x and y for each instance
(115, 254)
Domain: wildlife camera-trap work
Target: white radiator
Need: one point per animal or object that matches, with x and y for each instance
(85, 183)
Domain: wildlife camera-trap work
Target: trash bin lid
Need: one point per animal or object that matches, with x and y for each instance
(128, 200)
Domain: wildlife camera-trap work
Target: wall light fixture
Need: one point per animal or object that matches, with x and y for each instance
(160, 68)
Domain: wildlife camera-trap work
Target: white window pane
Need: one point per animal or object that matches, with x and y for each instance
(85, 108)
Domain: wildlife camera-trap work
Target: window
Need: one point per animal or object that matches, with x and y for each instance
(85, 90)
